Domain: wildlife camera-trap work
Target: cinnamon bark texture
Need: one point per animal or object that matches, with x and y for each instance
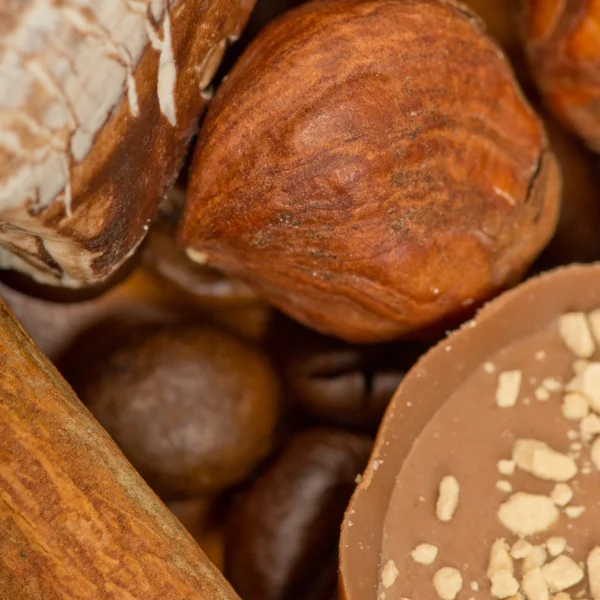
(76, 520)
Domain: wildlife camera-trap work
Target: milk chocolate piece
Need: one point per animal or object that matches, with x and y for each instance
(445, 420)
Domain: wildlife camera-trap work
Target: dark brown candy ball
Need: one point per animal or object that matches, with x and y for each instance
(283, 536)
(193, 408)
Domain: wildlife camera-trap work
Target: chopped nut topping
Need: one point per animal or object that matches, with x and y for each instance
(575, 406)
(556, 545)
(543, 462)
(590, 384)
(506, 467)
(526, 514)
(534, 585)
(594, 321)
(389, 574)
(575, 333)
(541, 393)
(503, 584)
(447, 583)
(562, 573)
(448, 498)
(424, 553)
(574, 511)
(593, 568)
(561, 494)
(589, 427)
(504, 486)
(500, 559)
(489, 367)
(536, 558)
(520, 549)
(509, 385)
(540, 355)
(595, 453)
(552, 384)
(580, 365)
(474, 586)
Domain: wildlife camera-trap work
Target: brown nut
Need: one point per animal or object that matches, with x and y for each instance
(98, 103)
(562, 40)
(283, 535)
(193, 408)
(370, 167)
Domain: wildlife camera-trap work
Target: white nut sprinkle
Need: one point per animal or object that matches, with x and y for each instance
(590, 384)
(520, 549)
(506, 467)
(561, 494)
(509, 385)
(594, 321)
(552, 384)
(534, 585)
(589, 427)
(575, 406)
(474, 586)
(489, 367)
(540, 355)
(504, 486)
(541, 393)
(500, 559)
(542, 461)
(424, 554)
(593, 568)
(447, 583)
(448, 498)
(575, 333)
(580, 365)
(556, 545)
(574, 511)
(562, 573)
(503, 584)
(536, 558)
(389, 574)
(595, 453)
(527, 514)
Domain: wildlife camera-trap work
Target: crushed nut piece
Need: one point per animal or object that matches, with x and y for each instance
(562, 573)
(541, 393)
(504, 486)
(561, 494)
(595, 453)
(589, 427)
(580, 365)
(552, 384)
(474, 586)
(526, 514)
(489, 367)
(534, 585)
(574, 511)
(509, 385)
(542, 461)
(389, 574)
(506, 467)
(575, 333)
(575, 406)
(447, 583)
(500, 559)
(448, 498)
(520, 549)
(536, 558)
(590, 384)
(593, 568)
(424, 553)
(594, 321)
(556, 545)
(503, 584)
(540, 355)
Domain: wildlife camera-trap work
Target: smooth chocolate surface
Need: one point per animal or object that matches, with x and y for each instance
(444, 420)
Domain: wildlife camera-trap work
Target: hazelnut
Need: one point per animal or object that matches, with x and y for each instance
(284, 531)
(98, 104)
(371, 167)
(192, 407)
(563, 46)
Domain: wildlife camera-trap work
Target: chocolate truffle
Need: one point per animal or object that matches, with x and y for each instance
(484, 481)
